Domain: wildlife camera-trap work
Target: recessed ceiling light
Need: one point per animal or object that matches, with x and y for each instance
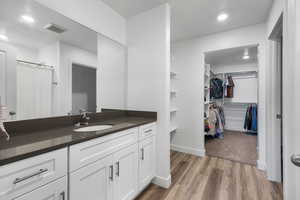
(3, 37)
(246, 54)
(246, 57)
(27, 19)
(222, 17)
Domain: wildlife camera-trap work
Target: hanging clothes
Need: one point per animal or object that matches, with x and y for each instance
(216, 88)
(216, 121)
(212, 121)
(250, 123)
(254, 119)
(229, 87)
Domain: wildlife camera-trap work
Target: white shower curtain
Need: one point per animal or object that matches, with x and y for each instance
(34, 92)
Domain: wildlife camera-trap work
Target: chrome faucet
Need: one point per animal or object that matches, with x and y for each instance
(84, 118)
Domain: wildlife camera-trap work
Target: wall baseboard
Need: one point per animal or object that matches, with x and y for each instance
(162, 182)
(261, 165)
(188, 150)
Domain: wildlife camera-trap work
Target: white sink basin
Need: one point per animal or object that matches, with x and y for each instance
(93, 128)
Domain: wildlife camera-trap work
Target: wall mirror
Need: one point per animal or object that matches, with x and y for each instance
(48, 63)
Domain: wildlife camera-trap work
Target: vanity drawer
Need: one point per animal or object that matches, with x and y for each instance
(22, 176)
(91, 151)
(147, 130)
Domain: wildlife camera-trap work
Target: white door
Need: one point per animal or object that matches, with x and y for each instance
(291, 99)
(93, 182)
(146, 162)
(53, 191)
(126, 173)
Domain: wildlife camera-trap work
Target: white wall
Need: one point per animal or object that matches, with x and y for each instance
(50, 56)
(24, 53)
(189, 63)
(149, 76)
(92, 13)
(112, 76)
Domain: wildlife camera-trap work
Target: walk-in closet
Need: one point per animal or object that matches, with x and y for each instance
(231, 104)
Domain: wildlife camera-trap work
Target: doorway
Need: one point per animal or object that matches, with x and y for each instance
(84, 93)
(231, 104)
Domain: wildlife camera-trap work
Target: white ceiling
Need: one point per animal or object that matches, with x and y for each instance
(233, 56)
(35, 36)
(191, 18)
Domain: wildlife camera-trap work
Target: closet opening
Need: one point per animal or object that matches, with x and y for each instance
(231, 104)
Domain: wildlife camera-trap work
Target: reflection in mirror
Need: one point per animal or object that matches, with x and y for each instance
(48, 63)
(83, 89)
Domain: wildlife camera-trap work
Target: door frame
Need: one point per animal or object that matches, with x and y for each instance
(261, 139)
(70, 79)
(274, 142)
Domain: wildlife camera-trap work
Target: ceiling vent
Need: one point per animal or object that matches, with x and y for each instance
(55, 28)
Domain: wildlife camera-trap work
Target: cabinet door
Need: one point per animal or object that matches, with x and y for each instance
(146, 162)
(93, 182)
(126, 173)
(53, 191)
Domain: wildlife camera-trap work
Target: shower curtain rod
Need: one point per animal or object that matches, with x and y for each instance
(33, 63)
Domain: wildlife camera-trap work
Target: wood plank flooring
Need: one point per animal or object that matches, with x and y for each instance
(235, 146)
(211, 178)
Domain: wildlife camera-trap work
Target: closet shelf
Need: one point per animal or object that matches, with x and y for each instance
(239, 103)
(239, 73)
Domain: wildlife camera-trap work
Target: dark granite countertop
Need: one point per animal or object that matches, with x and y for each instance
(21, 146)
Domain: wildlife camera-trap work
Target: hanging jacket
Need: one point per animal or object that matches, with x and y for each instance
(216, 88)
(212, 120)
(254, 119)
(248, 118)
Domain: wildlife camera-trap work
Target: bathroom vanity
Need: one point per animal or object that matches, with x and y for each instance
(51, 70)
(59, 163)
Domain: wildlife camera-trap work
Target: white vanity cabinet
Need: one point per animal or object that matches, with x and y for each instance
(126, 176)
(146, 154)
(113, 167)
(94, 181)
(113, 177)
(56, 190)
(146, 162)
(117, 166)
(35, 178)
